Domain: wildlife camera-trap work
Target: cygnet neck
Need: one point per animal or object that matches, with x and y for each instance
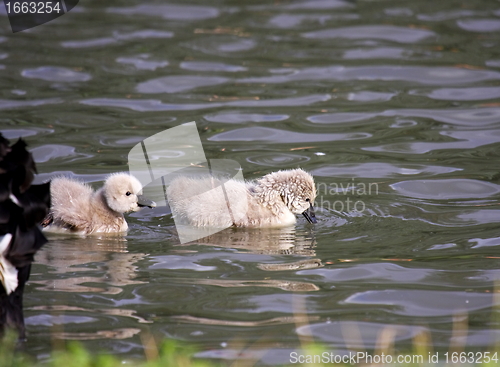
(100, 204)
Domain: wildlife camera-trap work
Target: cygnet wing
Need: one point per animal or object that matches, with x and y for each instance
(70, 201)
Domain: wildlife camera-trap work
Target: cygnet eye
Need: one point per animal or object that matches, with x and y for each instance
(128, 193)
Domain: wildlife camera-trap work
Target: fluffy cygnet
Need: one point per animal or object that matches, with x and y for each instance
(271, 201)
(77, 208)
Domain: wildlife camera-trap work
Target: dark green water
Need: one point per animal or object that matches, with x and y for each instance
(393, 106)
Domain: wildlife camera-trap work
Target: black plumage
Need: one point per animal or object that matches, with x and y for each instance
(22, 207)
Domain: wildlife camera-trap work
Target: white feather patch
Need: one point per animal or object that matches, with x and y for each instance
(8, 272)
(14, 199)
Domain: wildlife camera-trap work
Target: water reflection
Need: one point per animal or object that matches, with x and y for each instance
(273, 321)
(286, 285)
(285, 240)
(61, 309)
(121, 333)
(82, 255)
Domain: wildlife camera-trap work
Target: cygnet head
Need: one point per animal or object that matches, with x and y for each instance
(296, 189)
(123, 193)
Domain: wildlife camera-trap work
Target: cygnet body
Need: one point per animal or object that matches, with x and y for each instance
(77, 208)
(271, 201)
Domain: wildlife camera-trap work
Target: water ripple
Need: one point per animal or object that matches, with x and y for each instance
(277, 159)
(398, 12)
(485, 242)
(341, 117)
(227, 44)
(374, 272)
(282, 102)
(465, 117)
(349, 332)
(45, 153)
(322, 5)
(379, 170)
(143, 34)
(143, 105)
(420, 303)
(367, 96)
(56, 74)
(446, 189)
(448, 14)
(294, 20)
(7, 104)
(95, 42)
(464, 140)
(282, 136)
(141, 63)
(20, 133)
(482, 216)
(376, 53)
(235, 117)
(44, 177)
(179, 262)
(388, 33)
(462, 94)
(116, 38)
(211, 66)
(180, 83)
(318, 4)
(416, 74)
(170, 11)
(479, 25)
(51, 320)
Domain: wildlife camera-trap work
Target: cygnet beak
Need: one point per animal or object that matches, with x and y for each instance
(309, 214)
(142, 201)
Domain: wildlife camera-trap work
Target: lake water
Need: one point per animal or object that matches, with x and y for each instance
(393, 106)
